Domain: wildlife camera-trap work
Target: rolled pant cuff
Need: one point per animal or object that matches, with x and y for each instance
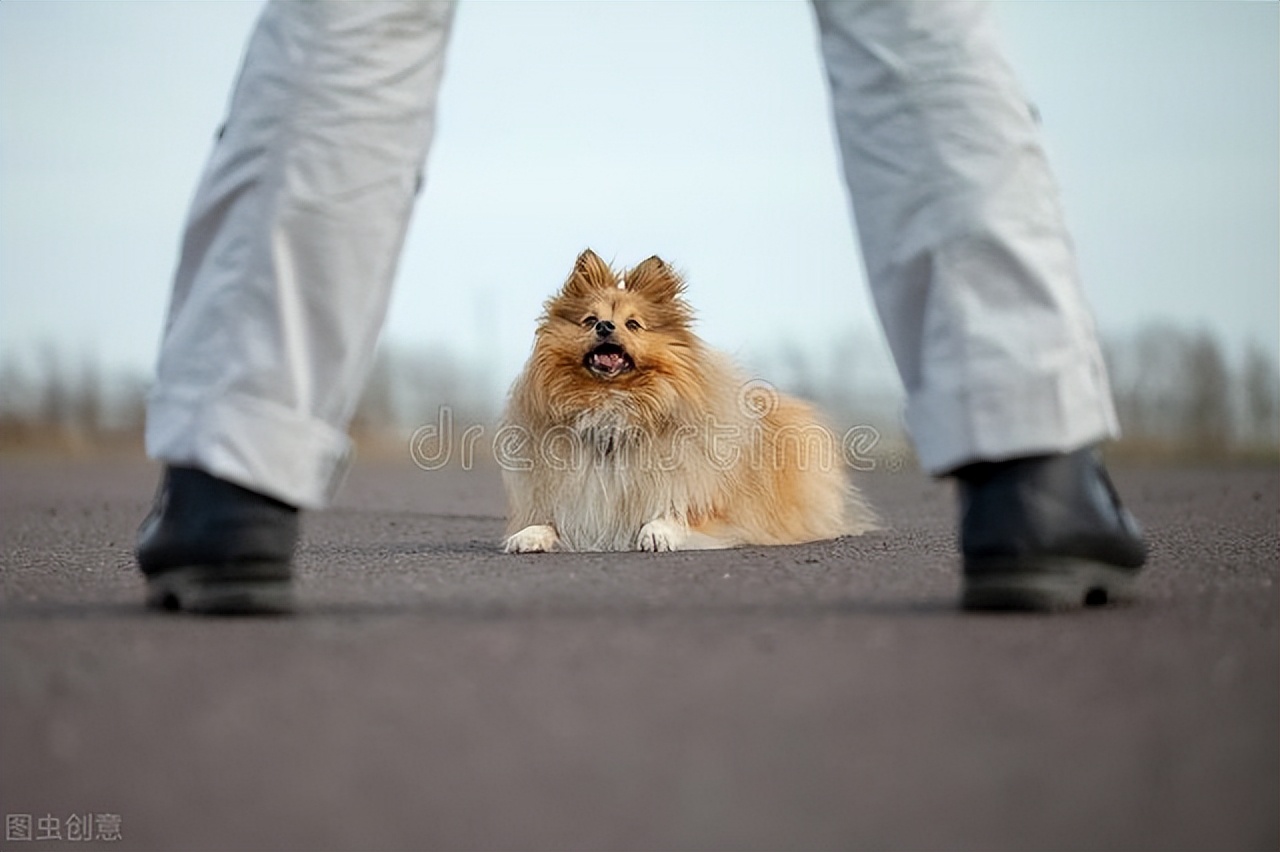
(1060, 412)
(252, 442)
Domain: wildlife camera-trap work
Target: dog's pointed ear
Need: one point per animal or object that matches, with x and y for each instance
(656, 280)
(590, 273)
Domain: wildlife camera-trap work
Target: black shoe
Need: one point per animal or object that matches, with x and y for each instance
(1045, 533)
(209, 546)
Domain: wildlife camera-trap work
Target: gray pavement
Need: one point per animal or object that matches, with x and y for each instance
(436, 694)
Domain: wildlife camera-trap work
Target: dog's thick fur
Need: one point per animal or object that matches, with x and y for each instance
(625, 431)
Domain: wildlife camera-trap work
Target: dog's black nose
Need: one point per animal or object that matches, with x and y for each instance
(604, 328)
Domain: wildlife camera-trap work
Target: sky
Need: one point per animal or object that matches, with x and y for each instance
(696, 131)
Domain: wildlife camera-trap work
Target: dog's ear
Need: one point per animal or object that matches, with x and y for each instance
(655, 280)
(590, 273)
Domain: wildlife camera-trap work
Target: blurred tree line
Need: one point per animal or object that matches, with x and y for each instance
(56, 403)
(1180, 394)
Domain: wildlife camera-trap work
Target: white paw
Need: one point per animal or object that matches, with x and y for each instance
(534, 539)
(662, 534)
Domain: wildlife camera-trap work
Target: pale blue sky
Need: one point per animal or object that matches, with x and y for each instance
(698, 131)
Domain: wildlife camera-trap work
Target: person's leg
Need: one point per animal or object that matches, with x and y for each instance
(289, 252)
(292, 242)
(970, 263)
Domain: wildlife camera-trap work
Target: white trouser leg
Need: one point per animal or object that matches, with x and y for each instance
(971, 267)
(292, 242)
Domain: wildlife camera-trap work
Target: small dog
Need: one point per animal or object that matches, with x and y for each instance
(625, 431)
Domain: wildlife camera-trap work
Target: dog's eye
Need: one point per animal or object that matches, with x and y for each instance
(633, 325)
(590, 321)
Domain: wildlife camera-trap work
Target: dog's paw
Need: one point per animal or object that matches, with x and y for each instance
(662, 534)
(538, 538)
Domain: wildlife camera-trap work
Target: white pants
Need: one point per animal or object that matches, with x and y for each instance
(293, 238)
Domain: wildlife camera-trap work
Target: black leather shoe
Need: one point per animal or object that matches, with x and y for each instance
(209, 546)
(1045, 533)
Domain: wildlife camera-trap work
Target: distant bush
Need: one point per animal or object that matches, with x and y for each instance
(1180, 395)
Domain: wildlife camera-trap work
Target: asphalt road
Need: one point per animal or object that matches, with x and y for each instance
(436, 694)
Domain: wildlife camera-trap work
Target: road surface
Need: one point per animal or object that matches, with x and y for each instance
(435, 694)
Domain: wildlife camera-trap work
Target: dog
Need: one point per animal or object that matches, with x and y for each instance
(625, 431)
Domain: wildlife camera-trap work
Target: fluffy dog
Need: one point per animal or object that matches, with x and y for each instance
(625, 431)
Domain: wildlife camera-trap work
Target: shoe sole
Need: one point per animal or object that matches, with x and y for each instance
(243, 589)
(1043, 585)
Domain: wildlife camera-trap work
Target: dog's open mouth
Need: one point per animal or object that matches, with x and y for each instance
(608, 360)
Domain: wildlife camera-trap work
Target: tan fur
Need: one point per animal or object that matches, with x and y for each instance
(679, 452)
